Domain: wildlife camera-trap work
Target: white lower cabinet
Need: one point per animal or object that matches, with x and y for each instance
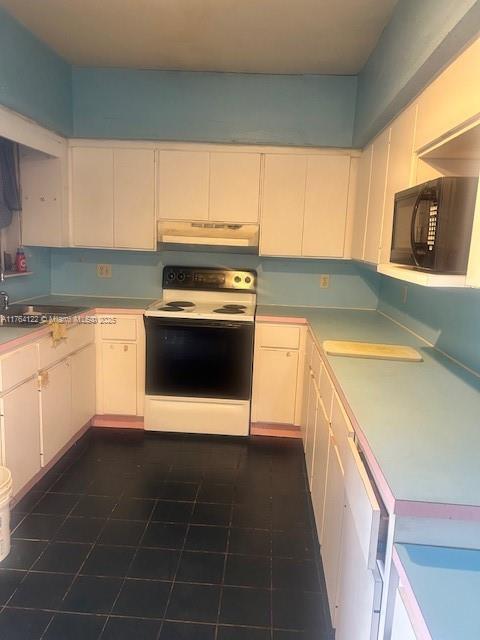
(319, 476)
(274, 385)
(56, 403)
(20, 415)
(311, 426)
(359, 590)
(331, 535)
(119, 380)
(83, 387)
(402, 628)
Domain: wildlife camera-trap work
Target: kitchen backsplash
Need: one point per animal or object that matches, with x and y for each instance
(281, 281)
(448, 318)
(36, 284)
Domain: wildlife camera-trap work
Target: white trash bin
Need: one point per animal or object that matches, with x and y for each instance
(5, 496)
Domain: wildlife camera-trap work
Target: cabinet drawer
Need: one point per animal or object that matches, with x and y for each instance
(17, 366)
(363, 503)
(281, 336)
(77, 337)
(326, 392)
(341, 427)
(124, 328)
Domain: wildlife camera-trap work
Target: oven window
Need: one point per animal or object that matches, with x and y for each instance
(198, 358)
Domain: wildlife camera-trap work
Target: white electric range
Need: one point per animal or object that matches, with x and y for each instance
(199, 351)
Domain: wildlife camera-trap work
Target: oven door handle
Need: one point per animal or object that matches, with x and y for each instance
(185, 322)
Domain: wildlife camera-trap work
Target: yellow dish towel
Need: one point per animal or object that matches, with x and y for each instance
(58, 332)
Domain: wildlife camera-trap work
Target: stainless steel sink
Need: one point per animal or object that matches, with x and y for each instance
(31, 315)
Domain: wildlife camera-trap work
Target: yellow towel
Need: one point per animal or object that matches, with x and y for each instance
(58, 332)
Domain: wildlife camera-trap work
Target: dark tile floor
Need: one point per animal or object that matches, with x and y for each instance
(157, 537)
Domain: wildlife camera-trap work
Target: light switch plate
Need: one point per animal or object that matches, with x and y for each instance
(324, 281)
(104, 270)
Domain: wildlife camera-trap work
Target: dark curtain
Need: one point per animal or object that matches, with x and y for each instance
(10, 200)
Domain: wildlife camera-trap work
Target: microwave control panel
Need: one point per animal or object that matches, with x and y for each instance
(432, 226)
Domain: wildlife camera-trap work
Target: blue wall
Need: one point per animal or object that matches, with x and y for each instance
(138, 274)
(33, 80)
(420, 39)
(214, 107)
(38, 261)
(450, 319)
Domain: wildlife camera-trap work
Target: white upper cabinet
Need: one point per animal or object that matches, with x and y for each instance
(92, 197)
(113, 197)
(361, 207)
(376, 199)
(326, 199)
(304, 208)
(184, 185)
(283, 205)
(234, 187)
(451, 100)
(401, 167)
(134, 199)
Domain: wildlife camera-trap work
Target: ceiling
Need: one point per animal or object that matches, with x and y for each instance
(251, 36)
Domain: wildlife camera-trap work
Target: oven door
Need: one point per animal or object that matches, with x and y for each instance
(198, 358)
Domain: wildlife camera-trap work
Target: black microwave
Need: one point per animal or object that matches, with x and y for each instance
(432, 225)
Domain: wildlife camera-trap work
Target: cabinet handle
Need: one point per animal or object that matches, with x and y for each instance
(125, 347)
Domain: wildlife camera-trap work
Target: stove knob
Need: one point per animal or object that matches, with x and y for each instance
(237, 279)
(248, 279)
(171, 275)
(181, 276)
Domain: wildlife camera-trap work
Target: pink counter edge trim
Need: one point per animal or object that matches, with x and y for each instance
(413, 608)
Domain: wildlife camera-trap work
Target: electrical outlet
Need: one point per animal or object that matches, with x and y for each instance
(324, 281)
(104, 270)
(404, 294)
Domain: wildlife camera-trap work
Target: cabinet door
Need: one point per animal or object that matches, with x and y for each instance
(450, 100)
(319, 476)
(401, 164)
(134, 199)
(402, 628)
(332, 527)
(56, 403)
(184, 185)
(83, 387)
(21, 433)
(311, 429)
(119, 366)
(359, 593)
(234, 187)
(283, 205)
(43, 221)
(326, 198)
(376, 199)
(307, 378)
(92, 197)
(274, 385)
(361, 203)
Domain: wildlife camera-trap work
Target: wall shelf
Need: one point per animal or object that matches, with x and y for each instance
(16, 274)
(422, 278)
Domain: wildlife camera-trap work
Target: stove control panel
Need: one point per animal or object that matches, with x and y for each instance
(209, 279)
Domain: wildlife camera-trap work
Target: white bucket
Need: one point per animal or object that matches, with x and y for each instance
(5, 496)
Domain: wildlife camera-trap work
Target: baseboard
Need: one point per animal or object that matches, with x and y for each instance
(117, 422)
(275, 430)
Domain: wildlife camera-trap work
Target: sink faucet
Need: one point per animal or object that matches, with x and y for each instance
(3, 300)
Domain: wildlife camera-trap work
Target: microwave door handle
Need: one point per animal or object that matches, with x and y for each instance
(416, 207)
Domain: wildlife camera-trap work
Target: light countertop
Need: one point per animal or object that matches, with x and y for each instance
(446, 584)
(14, 334)
(421, 420)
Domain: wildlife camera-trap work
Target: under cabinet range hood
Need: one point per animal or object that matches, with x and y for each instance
(204, 235)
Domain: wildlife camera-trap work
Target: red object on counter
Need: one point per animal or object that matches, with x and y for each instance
(20, 261)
